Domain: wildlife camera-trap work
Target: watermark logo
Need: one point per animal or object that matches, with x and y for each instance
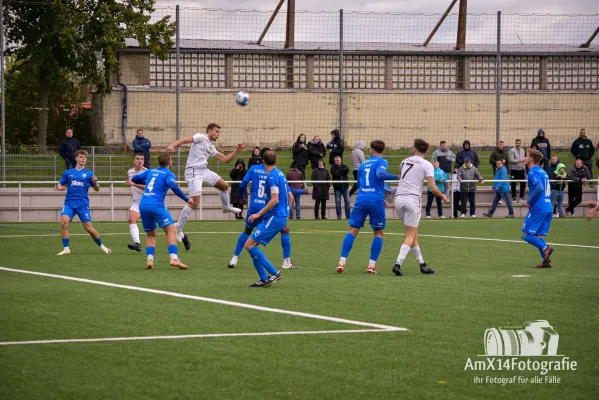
(537, 338)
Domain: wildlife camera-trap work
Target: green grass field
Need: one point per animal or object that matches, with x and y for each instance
(446, 315)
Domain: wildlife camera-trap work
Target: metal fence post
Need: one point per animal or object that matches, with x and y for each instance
(498, 80)
(93, 158)
(20, 205)
(109, 168)
(3, 109)
(341, 64)
(55, 169)
(201, 205)
(177, 93)
(111, 201)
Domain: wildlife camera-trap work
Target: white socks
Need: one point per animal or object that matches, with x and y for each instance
(418, 254)
(287, 260)
(224, 198)
(371, 263)
(403, 253)
(342, 260)
(134, 232)
(150, 257)
(173, 256)
(185, 214)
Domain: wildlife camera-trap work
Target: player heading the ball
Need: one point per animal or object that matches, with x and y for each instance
(197, 173)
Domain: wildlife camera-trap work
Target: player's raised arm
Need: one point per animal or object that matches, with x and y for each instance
(176, 189)
(140, 179)
(383, 175)
(230, 156)
(171, 147)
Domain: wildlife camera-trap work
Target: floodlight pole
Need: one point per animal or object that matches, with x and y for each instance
(270, 21)
(428, 39)
(461, 40)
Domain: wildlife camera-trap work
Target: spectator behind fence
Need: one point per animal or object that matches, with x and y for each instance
(457, 195)
(335, 146)
(467, 152)
(300, 153)
(499, 154)
(440, 178)
(583, 148)
(557, 171)
(295, 174)
(68, 147)
(255, 158)
(579, 174)
(502, 190)
(468, 172)
(142, 145)
(445, 157)
(339, 172)
(237, 174)
(517, 157)
(320, 192)
(357, 158)
(316, 152)
(544, 147)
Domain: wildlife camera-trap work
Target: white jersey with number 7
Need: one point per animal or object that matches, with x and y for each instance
(413, 172)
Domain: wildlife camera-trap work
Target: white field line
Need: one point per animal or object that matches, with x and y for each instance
(199, 336)
(311, 231)
(209, 300)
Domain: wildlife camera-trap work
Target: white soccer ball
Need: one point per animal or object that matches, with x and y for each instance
(242, 99)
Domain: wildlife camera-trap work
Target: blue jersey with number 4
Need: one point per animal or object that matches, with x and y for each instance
(539, 197)
(371, 189)
(257, 176)
(78, 182)
(157, 184)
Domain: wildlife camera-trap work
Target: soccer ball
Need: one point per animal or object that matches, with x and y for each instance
(242, 99)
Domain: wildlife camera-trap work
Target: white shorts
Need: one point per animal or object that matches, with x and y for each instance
(195, 177)
(409, 209)
(134, 207)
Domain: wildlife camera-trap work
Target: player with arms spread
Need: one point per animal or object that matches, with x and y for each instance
(78, 180)
(370, 202)
(257, 175)
(137, 191)
(196, 173)
(153, 211)
(413, 172)
(538, 220)
(274, 218)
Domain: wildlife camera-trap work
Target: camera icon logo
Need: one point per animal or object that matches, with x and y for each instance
(537, 338)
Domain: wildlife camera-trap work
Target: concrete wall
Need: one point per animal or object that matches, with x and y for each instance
(395, 117)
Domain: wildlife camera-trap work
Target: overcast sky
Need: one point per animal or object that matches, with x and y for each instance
(422, 6)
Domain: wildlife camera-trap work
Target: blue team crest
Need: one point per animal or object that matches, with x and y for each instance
(84, 175)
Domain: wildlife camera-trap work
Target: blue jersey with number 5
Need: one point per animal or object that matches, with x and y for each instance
(371, 189)
(157, 185)
(257, 176)
(539, 191)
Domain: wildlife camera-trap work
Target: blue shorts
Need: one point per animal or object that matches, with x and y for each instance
(537, 224)
(376, 212)
(268, 229)
(257, 221)
(150, 217)
(83, 213)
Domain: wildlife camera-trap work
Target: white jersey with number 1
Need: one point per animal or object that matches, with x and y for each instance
(413, 172)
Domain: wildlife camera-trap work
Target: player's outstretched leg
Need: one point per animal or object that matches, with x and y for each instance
(286, 245)
(262, 265)
(541, 246)
(64, 230)
(223, 193)
(96, 236)
(183, 217)
(243, 237)
(173, 250)
(346, 247)
(375, 251)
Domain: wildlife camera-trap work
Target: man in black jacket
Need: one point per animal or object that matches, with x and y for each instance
(142, 145)
(316, 152)
(339, 172)
(335, 146)
(68, 147)
(578, 174)
(583, 148)
(544, 147)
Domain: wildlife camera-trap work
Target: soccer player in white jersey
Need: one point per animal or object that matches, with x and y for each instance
(137, 190)
(197, 173)
(408, 202)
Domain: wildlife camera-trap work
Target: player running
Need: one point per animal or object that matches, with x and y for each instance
(538, 220)
(274, 219)
(137, 191)
(153, 211)
(257, 176)
(370, 202)
(196, 173)
(408, 202)
(78, 180)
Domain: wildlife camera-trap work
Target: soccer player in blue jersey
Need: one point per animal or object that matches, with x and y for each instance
(370, 202)
(153, 211)
(274, 219)
(257, 176)
(538, 220)
(76, 181)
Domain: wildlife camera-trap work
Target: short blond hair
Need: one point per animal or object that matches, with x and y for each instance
(535, 155)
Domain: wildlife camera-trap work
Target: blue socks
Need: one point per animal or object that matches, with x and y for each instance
(537, 242)
(173, 249)
(261, 263)
(65, 242)
(286, 245)
(348, 243)
(150, 251)
(375, 249)
(98, 241)
(240, 242)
